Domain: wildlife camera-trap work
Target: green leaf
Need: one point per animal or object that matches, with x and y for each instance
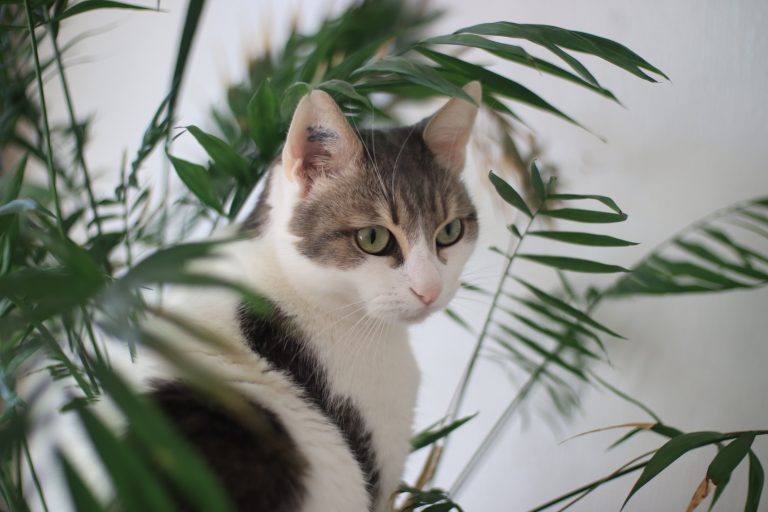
(549, 36)
(82, 497)
(573, 264)
(565, 308)
(607, 201)
(509, 194)
(729, 457)
(756, 479)
(264, 121)
(290, 99)
(171, 454)
(537, 182)
(429, 436)
(90, 5)
(198, 181)
(547, 354)
(137, 487)
(513, 229)
(516, 54)
(456, 318)
(579, 238)
(669, 453)
(588, 216)
(12, 181)
(568, 324)
(415, 72)
(345, 89)
(494, 83)
(726, 460)
(560, 338)
(225, 158)
(684, 268)
(23, 205)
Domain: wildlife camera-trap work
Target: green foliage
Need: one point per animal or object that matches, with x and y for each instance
(69, 277)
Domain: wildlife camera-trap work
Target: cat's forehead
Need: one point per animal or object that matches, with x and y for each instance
(400, 170)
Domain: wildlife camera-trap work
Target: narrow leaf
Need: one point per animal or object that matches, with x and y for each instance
(547, 354)
(90, 5)
(429, 436)
(573, 264)
(588, 216)
(198, 181)
(263, 114)
(494, 82)
(669, 453)
(579, 238)
(415, 72)
(345, 89)
(756, 479)
(729, 457)
(565, 308)
(225, 158)
(537, 182)
(82, 497)
(509, 194)
(607, 201)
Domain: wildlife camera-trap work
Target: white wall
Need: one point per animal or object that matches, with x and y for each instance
(678, 151)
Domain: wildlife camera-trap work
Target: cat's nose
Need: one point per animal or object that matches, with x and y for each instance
(428, 295)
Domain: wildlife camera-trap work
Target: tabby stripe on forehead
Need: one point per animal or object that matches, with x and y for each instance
(277, 341)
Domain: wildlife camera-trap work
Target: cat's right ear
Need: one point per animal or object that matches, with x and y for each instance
(320, 140)
(447, 132)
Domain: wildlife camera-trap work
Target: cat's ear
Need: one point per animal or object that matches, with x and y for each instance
(320, 140)
(447, 131)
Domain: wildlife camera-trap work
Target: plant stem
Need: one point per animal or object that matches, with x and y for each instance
(458, 398)
(46, 128)
(79, 142)
(590, 486)
(497, 428)
(454, 407)
(31, 465)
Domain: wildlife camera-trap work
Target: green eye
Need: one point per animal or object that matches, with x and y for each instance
(450, 233)
(373, 239)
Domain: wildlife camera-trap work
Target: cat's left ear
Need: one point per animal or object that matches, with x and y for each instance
(320, 140)
(447, 132)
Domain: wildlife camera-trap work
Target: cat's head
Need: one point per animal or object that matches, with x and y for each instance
(374, 220)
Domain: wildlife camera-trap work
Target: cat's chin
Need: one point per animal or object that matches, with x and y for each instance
(416, 317)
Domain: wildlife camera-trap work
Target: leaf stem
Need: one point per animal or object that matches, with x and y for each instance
(46, 128)
(79, 141)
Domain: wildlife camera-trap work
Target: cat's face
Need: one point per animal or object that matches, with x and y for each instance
(378, 222)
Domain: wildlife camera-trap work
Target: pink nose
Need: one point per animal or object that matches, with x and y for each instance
(427, 296)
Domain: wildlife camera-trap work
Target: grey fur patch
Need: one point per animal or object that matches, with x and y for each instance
(397, 184)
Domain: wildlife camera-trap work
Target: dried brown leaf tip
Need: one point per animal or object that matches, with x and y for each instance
(702, 491)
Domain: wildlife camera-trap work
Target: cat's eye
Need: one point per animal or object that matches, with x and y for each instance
(450, 233)
(373, 239)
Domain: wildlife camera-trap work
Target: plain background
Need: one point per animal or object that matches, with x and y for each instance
(678, 150)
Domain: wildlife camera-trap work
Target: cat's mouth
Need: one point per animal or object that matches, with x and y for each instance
(418, 316)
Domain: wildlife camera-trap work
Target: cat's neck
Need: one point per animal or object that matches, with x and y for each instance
(353, 346)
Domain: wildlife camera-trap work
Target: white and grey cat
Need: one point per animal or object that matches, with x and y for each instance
(356, 236)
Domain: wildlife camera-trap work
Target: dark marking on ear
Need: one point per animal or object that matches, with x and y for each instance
(281, 344)
(319, 134)
(260, 467)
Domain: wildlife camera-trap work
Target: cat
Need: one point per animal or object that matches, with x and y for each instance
(356, 235)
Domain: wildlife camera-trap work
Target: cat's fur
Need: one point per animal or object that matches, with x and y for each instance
(330, 370)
